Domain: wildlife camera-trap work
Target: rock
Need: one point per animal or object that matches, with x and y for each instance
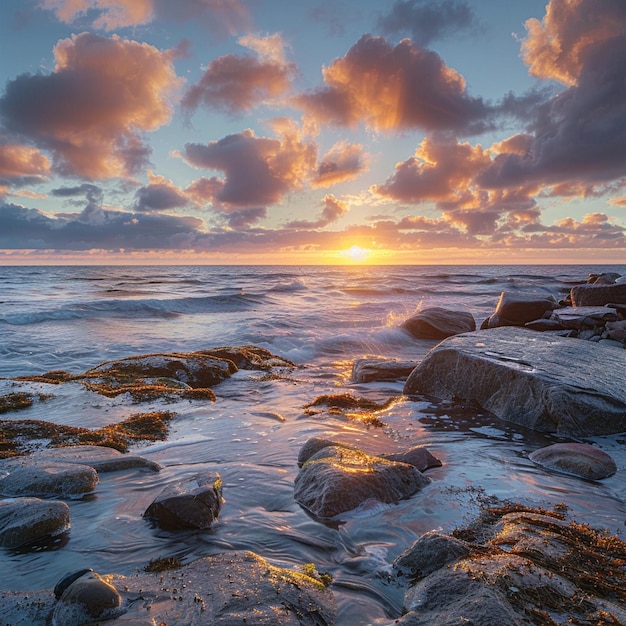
(378, 369)
(617, 330)
(517, 310)
(195, 503)
(25, 520)
(417, 456)
(194, 369)
(606, 278)
(584, 316)
(337, 479)
(227, 589)
(48, 479)
(544, 325)
(543, 382)
(248, 357)
(101, 458)
(315, 444)
(85, 600)
(68, 579)
(430, 552)
(598, 295)
(523, 568)
(439, 323)
(579, 459)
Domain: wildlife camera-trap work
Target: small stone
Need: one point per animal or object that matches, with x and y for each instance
(579, 459)
(25, 520)
(439, 323)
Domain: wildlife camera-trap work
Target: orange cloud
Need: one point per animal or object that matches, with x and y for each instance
(18, 162)
(344, 161)
(230, 16)
(392, 87)
(332, 211)
(558, 47)
(239, 83)
(90, 112)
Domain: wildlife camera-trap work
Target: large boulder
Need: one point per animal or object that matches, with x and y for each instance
(195, 503)
(439, 323)
(598, 295)
(579, 459)
(25, 520)
(519, 309)
(47, 479)
(337, 479)
(543, 382)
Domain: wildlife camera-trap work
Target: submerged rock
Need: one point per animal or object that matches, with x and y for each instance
(579, 459)
(195, 503)
(25, 520)
(544, 382)
(337, 478)
(47, 479)
(439, 323)
(372, 369)
(517, 310)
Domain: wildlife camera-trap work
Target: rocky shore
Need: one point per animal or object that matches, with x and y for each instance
(546, 365)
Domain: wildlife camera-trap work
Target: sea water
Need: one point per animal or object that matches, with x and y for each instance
(322, 319)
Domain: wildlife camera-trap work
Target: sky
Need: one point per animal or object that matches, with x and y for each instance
(312, 131)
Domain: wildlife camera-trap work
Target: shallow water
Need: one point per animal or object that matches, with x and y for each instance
(322, 319)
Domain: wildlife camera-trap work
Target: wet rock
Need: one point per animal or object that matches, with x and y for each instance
(430, 552)
(68, 579)
(616, 330)
(517, 310)
(524, 568)
(598, 295)
(101, 458)
(194, 369)
(87, 599)
(378, 369)
(195, 503)
(544, 325)
(337, 479)
(582, 317)
(578, 459)
(439, 323)
(248, 357)
(47, 479)
(226, 589)
(606, 278)
(417, 456)
(315, 444)
(25, 520)
(543, 382)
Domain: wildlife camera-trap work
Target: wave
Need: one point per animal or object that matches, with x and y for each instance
(151, 307)
(290, 287)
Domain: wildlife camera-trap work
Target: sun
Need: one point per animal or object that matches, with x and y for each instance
(357, 254)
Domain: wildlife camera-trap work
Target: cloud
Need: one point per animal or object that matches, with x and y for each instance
(22, 165)
(257, 170)
(425, 20)
(389, 88)
(344, 161)
(159, 195)
(579, 136)
(332, 211)
(219, 16)
(237, 84)
(91, 111)
(560, 46)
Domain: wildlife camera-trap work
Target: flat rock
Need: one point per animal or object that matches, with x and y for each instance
(584, 316)
(337, 479)
(48, 479)
(579, 459)
(439, 323)
(372, 369)
(25, 520)
(195, 503)
(617, 330)
(226, 589)
(543, 382)
(598, 295)
(519, 309)
(101, 458)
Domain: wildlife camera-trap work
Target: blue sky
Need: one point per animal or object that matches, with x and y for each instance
(265, 131)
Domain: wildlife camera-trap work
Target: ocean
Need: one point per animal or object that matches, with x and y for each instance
(321, 318)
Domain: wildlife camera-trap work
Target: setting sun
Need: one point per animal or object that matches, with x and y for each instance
(357, 254)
